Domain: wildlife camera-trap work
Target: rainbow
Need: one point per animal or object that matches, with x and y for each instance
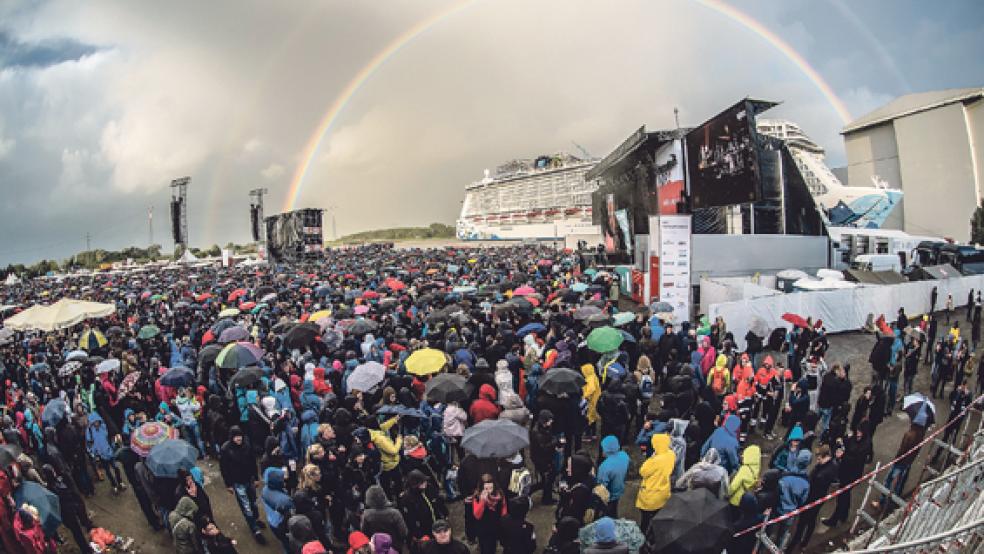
(384, 55)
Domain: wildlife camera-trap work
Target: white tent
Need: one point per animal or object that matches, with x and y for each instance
(187, 257)
(12, 279)
(60, 315)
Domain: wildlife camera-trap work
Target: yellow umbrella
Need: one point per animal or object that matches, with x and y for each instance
(229, 312)
(319, 315)
(92, 339)
(426, 361)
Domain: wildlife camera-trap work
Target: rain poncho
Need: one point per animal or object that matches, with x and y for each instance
(389, 450)
(591, 391)
(97, 438)
(724, 439)
(678, 444)
(744, 479)
(654, 490)
(706, 473)
(794, 487)
(612, 471)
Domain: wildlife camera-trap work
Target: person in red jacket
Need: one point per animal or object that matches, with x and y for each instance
(484, 407)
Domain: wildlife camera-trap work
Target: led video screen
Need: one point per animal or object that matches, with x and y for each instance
(721, 159)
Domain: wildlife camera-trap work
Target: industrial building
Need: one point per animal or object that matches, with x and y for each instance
(929, 146)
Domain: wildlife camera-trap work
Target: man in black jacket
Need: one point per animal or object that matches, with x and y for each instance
(823, 475)
(421, 507)
(853, 453)
(543, 447)
(443, 542)
(834, 391)
(237, 462)
(518, 535)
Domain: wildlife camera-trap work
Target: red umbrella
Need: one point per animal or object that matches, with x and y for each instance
(208, 337)
(524, 291)
(236, 295)
(305, 290)
(370, 294)
(796, 320)
(394, 284)
(203, 297)
(247, 306)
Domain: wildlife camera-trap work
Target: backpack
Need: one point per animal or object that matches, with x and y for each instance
(717, 380)
(520, 482)
(598, 505)
(646, 387)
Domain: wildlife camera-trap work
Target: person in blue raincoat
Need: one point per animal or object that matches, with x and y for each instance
(794, 488)
(612, 471)
(724, 439)
(102, 452)
(277, 504)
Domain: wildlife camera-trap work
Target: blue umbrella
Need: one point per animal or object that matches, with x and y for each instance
(579, 287)
(54, 411)
(49, 508)
(166, 458)
(39, 367)
(531, 328)
(178, 377)
(399, 409)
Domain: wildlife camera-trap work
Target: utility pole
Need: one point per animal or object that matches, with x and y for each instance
(676, 117)
(88, 242)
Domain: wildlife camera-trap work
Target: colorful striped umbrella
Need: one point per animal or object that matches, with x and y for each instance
(92, 339)
(239, 354)
(149, 435)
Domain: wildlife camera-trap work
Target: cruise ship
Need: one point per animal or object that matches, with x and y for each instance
(542, 198)
(869, 207)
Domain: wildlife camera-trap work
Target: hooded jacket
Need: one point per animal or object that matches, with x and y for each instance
(517, 535)
(237, 463)
(605, 540)
(591, 391)
(381, 517)
(276, 503)
(724, 439)
(183, 528)
(612, 471)
(794, 487)
(300, 531)
(389, 449)
(744, 479)
(543, 442)
(97, 438)
(484, 407)
(454, 421)
(513, 408)
(382, 543)
(308, 432)
(706, 473)
(678, 444)
(654, 490)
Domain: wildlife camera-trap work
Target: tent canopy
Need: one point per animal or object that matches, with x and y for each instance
(60, 315)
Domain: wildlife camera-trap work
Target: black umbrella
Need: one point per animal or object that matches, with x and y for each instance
(691, 522)
(246, 377)
(495, 438)
(400, 410)
(8, 455)
(561, 380)
(362, 326)
(446, 387)
(301, 335)
(206, 356)
(283, 327)
(178, 377)
(584, 312)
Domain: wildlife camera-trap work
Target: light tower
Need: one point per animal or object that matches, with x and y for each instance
(179, 211)
(256, 215)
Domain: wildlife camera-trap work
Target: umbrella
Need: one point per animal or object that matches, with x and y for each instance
(623, 318)
(77, 356)
(149, 435)
(238, 354)
(691, 521)
(584, 312)
(446, 387)
(366, 376)
(361, 310)
(244, 306)
(362, 326)
(229, 312)
(495, 438)
(590, 271)
(524, 290)
(246, 377)
(236, 295)
(49, 508)
(921, 410)
(54, 411)
(203, 297)
(664, 316)
(579, 287)
(400, 410)
(758, 327)
(92, 339)
(464, 289)
(662, 308)
(283, 327)
(268, 298)
(8, 455)
(206, 356)
(332, 338)
(796, 320)
(69, 368)
(178, 377)
(148, 332)
(115, 330)
(425, 361)
(394, 284)
(531, 328)
(561, 380)
(39, 367)
(166, 458)
(319, 315)
(626, 532)
(302, 335)
(129, 383)
(234, 333)
(221, 325)
(106, 366)
(605, 339)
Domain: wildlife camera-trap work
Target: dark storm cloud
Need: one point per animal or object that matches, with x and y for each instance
(15, 53)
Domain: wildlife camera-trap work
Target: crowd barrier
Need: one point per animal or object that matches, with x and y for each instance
(844, 310)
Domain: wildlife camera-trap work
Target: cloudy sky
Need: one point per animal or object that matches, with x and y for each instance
(103, 103)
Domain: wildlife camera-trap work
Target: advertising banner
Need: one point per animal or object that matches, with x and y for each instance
(669, 177)
(674, 264)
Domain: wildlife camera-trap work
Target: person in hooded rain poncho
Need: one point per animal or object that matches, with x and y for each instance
(612, 472)
(744, 479)
(654, 490)
(724, 439)
(706, 473)
(102, 452)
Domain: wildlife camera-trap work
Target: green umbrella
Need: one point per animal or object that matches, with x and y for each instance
(605, 339)
(148, 332)
(623, 318)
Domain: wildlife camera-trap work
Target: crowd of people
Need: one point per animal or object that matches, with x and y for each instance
(304, 385)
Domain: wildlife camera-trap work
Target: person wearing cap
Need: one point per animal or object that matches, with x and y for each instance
(444, 542)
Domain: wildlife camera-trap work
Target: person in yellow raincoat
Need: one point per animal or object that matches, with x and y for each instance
(746, 476)
(654, 490)
(389, 455)
(591, 391)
